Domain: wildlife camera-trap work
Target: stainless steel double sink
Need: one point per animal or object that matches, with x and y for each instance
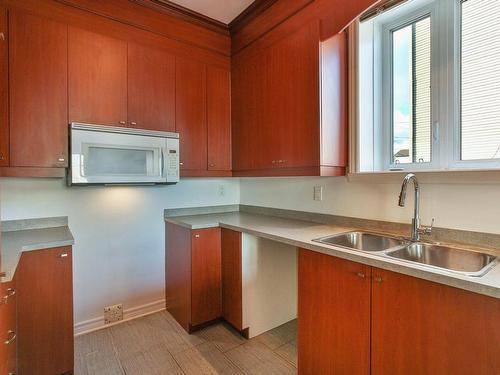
(451, 259)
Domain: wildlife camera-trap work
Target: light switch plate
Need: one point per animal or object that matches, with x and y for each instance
(318, 193)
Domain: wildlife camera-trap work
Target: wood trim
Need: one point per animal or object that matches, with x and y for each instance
(250, 13)
(326, 171)
(203, 173)
(32, 172)
(134, 13)
(185, 14)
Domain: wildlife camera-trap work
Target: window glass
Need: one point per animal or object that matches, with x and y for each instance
(411, 93)
(480, 80)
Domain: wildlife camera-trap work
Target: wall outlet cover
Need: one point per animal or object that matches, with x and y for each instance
(318, 193)
(113, 313)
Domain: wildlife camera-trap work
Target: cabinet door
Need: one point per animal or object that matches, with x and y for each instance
(45, 311)
(232, 293)
(97, 78)
(420, 327)
(4, 87)
(151, 88)
(219, 119)
(333, 315)
(178, 273)
(38, 92)
(8, 328)
(292, 97)
(190, 114)
(205, 275)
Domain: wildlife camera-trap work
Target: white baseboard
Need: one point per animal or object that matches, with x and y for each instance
(128, 314)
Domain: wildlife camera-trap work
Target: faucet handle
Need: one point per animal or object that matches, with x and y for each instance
(427, 229)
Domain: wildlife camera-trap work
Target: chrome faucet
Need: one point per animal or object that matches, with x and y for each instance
(416, 228)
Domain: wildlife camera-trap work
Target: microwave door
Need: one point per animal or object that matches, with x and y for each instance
(106, 158)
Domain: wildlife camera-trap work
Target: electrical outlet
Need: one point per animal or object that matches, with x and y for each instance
(222, 190)
(318, 193)
(113, 313)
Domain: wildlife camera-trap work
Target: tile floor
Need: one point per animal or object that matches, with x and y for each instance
(156, 344)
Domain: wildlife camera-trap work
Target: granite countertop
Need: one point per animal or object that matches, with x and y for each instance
(19, 236)
(301, 233)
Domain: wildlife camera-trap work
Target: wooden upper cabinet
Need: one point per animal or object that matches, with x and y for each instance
(38, 91)
(190, 113)
(219, 118)
(292, 96)
(287, 119)
(151, 88)
(334, 316)
(97, 78)
(420, 327)
(4, 87)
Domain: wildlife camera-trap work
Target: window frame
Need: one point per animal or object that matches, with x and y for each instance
(445, 92)
(386, 89)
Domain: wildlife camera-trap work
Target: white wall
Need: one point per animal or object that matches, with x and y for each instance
(119, 232)
(474, 207)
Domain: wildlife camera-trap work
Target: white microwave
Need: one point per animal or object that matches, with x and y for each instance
(107, 155)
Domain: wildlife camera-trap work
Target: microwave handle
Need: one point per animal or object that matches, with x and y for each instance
(162, 162)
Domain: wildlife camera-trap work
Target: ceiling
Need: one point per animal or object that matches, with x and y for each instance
(221, 10)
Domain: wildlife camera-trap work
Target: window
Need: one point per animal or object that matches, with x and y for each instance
(480, 80)
(428, 82)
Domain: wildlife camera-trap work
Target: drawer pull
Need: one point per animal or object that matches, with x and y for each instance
(11, 336)
(63, 255)
(196, 236)
(2, 36)
(122, 122)
(133, 123)
(361, 274)
(378, 279)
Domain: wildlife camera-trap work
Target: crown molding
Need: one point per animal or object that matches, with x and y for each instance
(172, 9)
(251, 12)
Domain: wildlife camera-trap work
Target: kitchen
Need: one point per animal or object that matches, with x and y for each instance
(283, 142)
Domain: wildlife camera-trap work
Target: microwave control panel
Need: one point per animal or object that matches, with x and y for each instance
(171, 155)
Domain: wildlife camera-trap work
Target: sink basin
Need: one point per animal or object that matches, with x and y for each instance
(363, 241)
(465, 262)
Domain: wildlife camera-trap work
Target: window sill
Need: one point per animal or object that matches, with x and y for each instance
(455, 176)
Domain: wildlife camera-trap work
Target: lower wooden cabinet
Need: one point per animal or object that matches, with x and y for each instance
(420, 327)
(357, 320)
(193, 275)
(45, 312)
(8, 328)
(333, 315)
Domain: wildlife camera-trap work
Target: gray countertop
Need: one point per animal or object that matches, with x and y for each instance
(26, 237)
(301, 233)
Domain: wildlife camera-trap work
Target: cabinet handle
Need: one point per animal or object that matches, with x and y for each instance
(61, 160)
(11, 336)
(133, 123)
(11, 292)
(63, 255)
(1, 157)
(196, 236)
(361, 274)
(2, 36)
(378, 279)
(211, 165)
(181, 163)
(122, 122)
(274, 162)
